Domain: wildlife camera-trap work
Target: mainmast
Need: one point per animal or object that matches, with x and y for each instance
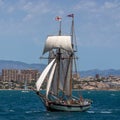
(71, 56)
(72, 28)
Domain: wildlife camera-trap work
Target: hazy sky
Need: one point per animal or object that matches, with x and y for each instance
(25, 24)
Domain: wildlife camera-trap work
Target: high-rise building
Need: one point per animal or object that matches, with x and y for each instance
(19, 75)
(9, 75)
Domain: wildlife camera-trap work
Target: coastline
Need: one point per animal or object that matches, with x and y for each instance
(72, 90)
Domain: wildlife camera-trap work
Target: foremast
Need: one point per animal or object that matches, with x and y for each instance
(59, 56)
(71, 56)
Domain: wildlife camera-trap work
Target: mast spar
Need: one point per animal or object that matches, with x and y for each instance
(59, 19)
(72, 54)
(74, 43)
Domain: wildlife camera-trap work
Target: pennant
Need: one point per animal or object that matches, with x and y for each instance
(70, 15)
(58, 18)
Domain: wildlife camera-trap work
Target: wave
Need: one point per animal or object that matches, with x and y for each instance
(91, 111)
(106, 112)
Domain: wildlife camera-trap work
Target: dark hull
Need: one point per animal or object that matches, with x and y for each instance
(76, 105)
(71, 107)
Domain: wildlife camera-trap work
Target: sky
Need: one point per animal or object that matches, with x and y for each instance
(25, 25)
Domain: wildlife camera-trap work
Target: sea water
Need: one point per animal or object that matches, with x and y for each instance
(18, 105)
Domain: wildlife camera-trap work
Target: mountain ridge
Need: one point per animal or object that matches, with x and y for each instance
(106, 72)
(10, 64)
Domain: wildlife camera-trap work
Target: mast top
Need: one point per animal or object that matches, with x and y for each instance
(58, 18)
(71, 15)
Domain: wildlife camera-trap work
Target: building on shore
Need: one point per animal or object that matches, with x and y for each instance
(19, 76)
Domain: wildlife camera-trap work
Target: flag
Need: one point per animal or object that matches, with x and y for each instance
(70, 15)
(58, 18)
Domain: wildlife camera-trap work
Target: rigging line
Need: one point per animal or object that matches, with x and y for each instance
(42, 98)
(75, 64)
(75, 41)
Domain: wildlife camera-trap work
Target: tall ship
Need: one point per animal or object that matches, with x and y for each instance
(58, 95)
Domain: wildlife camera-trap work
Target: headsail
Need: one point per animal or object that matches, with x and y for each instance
(53, 42)
(50, 79)
(43, 75)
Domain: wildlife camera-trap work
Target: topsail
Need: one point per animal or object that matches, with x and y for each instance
(54, 42)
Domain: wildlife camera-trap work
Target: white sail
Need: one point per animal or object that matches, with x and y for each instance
(43, 75)
(67, 87)
(50, 79)
(54, 85)
(63, 69)
(53, 42)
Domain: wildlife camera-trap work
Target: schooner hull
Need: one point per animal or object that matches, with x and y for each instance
(69, 108)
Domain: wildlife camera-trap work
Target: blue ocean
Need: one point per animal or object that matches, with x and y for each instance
(18, 105)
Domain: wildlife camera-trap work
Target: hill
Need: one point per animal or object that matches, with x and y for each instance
(8, 64)
(100, 72)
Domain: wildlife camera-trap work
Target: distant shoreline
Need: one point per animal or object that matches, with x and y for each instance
(72, 90)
